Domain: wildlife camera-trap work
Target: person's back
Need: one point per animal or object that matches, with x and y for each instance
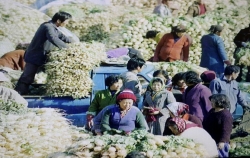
(201, 136)
(13, 60)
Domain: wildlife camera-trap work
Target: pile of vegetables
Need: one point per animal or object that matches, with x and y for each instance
(239, 149)
(95, 22)
(18, 22)
(233, 20)
(26, 2)
(11, 106)
(117, 146)
(178, 66)
(35, 133)
(69, 69)
(136, 3)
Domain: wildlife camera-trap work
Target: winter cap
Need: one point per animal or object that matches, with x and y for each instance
(177, 108)
(3, 77)
(216, 28)
(126, 94)
(208, 76)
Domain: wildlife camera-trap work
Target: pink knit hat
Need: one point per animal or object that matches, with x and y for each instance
(126, 94)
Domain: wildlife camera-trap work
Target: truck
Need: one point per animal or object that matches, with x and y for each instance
(75, 109)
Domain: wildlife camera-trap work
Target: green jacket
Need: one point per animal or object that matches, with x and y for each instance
(102, 99)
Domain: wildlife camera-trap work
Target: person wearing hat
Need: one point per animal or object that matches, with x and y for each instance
(214, 55)
(104, 98)
(178, 109)
(10, 94)
(123, 116)
(207, 77)
(173, 46)
(154, 105)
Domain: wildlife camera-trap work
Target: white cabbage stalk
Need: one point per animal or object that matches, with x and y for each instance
(18, 22)
(41, 78)
(69, 69)
(33, 134)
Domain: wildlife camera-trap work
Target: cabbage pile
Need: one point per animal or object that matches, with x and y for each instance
(18, 23)
(35, 133)
(178, 66)
(117, 146)
(232, 19)
(95, 22)
(68, 70)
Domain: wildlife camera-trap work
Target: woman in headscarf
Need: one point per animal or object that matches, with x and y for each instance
(214, 55)
(178, 109)
(187, 129)
(155, 104)
(173, 46)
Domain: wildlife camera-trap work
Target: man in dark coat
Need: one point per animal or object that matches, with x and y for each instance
(240, 40)
(35, 55)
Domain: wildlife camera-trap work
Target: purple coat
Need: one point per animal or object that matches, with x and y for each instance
(198, 100)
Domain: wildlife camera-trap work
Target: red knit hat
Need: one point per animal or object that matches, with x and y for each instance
(126, 94)
(208, 76)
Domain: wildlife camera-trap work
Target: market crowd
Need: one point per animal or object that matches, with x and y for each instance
(188, 104)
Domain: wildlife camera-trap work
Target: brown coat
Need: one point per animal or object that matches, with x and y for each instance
(168, 50)
(13, 60)
(194, 10)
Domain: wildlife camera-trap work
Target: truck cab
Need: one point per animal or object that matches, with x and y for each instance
(75, 109)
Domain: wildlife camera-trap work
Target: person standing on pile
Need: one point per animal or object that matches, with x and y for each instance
(241, 40)
(197, 8)
(173, 46)
(214, 55)
(162, 9)
(35, 55)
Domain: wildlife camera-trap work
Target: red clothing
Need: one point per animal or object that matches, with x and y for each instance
(202, 9)
(169, 50)
(13, 60)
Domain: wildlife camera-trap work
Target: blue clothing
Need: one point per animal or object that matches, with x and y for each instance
(133, 119)
(230, 89)
(36, 54)
(224, 152)
(98, 118)
(213, 53)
